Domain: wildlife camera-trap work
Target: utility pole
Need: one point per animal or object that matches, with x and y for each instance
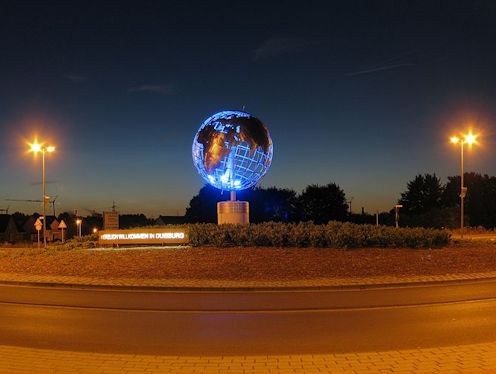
(44, 197)
(349, 204)
(463, 190)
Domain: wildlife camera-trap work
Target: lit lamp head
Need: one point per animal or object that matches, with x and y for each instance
(78, 221)
(469, 138)
(454, 140)
(36, 147)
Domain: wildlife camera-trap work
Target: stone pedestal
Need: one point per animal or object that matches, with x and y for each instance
(233, 212)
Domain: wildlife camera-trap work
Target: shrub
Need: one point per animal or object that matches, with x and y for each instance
(87, 241)
(331, 235)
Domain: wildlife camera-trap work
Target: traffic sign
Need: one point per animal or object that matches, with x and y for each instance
(38, 225)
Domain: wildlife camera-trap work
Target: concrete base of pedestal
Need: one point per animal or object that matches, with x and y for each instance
(233, 212)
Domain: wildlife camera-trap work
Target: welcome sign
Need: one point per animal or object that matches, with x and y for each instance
(159, 235)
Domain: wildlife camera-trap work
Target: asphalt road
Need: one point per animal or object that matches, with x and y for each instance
(247, 322)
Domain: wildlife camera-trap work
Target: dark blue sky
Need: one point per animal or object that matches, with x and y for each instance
(361, 93)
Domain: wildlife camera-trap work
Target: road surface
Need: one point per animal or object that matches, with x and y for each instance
(247, 322)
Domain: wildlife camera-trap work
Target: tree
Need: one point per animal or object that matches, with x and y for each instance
(203, 207)
(480, 201)
(424, 193)
(266, 204)
(20, 217)
(322, 204)
(70, 221)
(273, 204)
(127, 221)
(434, 218)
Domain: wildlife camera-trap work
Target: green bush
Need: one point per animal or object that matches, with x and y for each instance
(87, 241)
(331, 235)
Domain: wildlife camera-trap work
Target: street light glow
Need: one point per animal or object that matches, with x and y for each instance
(35, 147)
(470, 138)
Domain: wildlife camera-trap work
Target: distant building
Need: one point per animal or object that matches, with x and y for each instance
(29, 229)
(9, 231)
(15, 229)
(53, 232)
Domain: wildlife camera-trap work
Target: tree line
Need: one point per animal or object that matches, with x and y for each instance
(319, 204)
(427, 202)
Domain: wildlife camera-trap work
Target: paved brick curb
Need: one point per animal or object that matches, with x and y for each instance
(195, 283)
(476, 358)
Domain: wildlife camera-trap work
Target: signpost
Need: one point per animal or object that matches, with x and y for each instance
(62, 227)
(38, 225)
(110, 220)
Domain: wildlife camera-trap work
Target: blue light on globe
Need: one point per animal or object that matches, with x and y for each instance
(232, 150)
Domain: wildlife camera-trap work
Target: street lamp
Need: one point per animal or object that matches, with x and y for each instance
(469, 139)
(79, 222)
(36, 147)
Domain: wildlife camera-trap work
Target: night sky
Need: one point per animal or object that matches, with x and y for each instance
(361, 93)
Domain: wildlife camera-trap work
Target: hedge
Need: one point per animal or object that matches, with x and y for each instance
(332, 235)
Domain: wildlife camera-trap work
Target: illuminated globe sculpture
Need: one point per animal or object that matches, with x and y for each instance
(232, 150)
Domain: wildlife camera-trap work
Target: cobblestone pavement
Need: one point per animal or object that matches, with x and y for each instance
(477, 358)
(206, 283)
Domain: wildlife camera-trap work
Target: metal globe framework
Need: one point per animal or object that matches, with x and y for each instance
(232, 150)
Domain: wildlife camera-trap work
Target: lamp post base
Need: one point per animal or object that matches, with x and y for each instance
(233, 212)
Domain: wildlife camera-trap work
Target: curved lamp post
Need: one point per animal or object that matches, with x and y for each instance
(469, 139)
(36, 147)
